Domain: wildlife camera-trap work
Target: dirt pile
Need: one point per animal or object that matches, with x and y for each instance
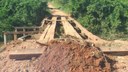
(62, 55)
(70, 55)
(12, 65)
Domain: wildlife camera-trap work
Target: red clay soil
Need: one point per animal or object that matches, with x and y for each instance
(63, 55)
(72, 56)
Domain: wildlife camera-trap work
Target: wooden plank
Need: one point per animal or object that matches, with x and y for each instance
(116, 53)
(53, 26)
(15, 35)
(69, 30)
(119, 50)
(21, 32)
(34, 27)
(25, 53)
(66, 29)
(89, 34)
(51, 32)
(44, 34)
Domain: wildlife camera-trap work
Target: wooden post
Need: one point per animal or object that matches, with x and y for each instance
(5, 39)
(15, 35)
(23, 31)
(34, 29)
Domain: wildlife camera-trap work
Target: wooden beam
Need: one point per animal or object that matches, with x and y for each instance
(25, 53)
(51, 32)
(116, 53)
(68, 28)
(87, 33)
(120, 50)
(52, 20)
(34, 27)
(5, 39)
(44, 34)
(15, 35)
(21, 32)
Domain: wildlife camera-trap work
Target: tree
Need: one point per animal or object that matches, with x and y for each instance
(21, 13)
(102, 17)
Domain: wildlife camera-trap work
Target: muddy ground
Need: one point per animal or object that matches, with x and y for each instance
(59, 56)
(62, 56)
(72, 56)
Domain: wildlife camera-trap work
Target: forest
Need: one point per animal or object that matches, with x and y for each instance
(15, 13)
(105, 18)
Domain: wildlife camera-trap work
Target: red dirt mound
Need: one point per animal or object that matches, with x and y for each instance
(72, 56)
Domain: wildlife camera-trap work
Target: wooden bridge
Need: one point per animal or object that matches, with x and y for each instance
(51, 26)
(56, 27)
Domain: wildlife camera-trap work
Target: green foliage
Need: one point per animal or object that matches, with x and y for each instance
(21, 13)
(107, 18)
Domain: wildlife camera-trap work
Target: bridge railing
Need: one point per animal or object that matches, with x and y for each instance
(21, 30)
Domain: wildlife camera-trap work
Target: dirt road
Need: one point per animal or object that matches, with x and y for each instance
(56, 11)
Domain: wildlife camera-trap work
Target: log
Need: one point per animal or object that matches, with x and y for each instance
(24, 37)
(22, 54)
(84, 30)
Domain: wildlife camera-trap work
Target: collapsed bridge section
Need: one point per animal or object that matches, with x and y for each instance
(60, 26)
